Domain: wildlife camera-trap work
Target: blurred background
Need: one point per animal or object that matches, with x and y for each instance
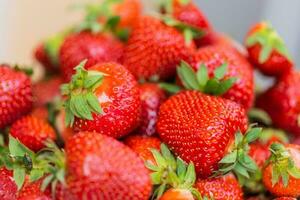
(23, 23)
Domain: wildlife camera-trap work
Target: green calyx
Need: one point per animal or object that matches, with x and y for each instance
(81, 100)
(269, 133)
(269, 40)
(170, 172)
(282, 164)
(189, 32)
(22, 161)
(25, 69)
(167, 5)
(238, 160)
(259, 115)
(217, 85)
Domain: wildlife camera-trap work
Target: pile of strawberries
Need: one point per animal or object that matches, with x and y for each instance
(138, 107)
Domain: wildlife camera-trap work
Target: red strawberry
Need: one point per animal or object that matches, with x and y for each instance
(142, 146)
(8, 187)
(152, 97)
(32, 132)
(100, 167)
(40, 113)
(15, 95)
(285, 198)
(96, 48)
(190, 14)
(282, 175)
(45, 91)
(282, 102)
(177, 194)
(226, 187)
(238, 67)
(201, 129)
(154, 49)
(103, 99)
(259, 153)
(32, 191)
(267, 50)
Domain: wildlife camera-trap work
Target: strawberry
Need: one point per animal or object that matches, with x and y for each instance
(267, 50)
(103, 168)
(201, 129)
(188, 13)
(15, 95)
(40, 112)
(8, 187)
(41, 56)
(282, 174)
(237, 67)
(285, 198)
(142, 146)
(152, 97)
(128, 11)
(154, 49)
(32, 132)
(282, 102)
(226, 187)
(46, 91)
(259, 153)
(32, 191)
(177, 194)
(96, 48)
(103, 99)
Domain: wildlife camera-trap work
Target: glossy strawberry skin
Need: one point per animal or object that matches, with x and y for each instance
(214, 56)
(119, 98)
(282, 102)
(100, 167)
(41, 56)
(45, 91)
(15, 95)
(192, 15)
(276, 64)
(32, 191)
(293, 187)
(152, 96)
(32, 132)
(226, 187)
(96, 48)
(154, 50)
(8, 187)
(200, 128)
(259, 153)
(142, 146)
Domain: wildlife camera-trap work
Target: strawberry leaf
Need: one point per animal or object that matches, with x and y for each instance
(17, 149)
(170, 88)
(221, 71)
(19, 176)
(202, 76)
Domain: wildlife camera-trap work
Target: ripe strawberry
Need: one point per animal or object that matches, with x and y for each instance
(100, 167)
(32, 191)
(103, 99)
(32, 132)
(259, 153)
(282, 175)
(96, 48)
(187, 12)
(238, 67)
(226, 187)
(201, 129)
(154, 49)
(282, 102)
(15, 95)
(142, 146)
(46, 91)
(8, 187)
(177, 194)
(267, 50)
(40, 113)
(152, 97)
